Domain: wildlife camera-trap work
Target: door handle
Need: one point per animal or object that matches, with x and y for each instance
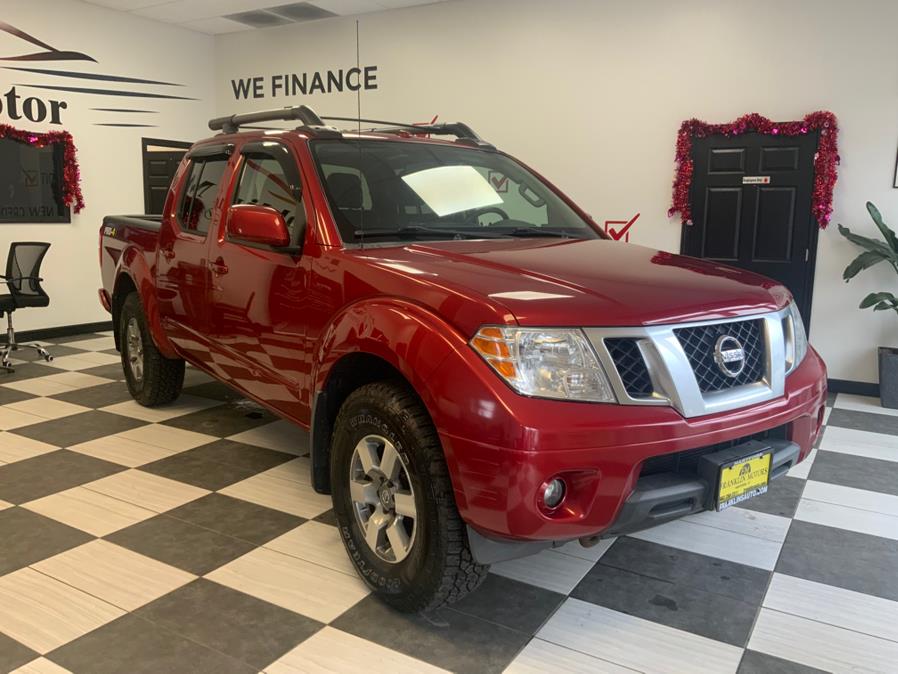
(219, 267)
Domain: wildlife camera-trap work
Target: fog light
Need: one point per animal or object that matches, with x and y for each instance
(553, 493)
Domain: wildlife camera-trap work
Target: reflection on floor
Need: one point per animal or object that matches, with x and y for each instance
(188, 539)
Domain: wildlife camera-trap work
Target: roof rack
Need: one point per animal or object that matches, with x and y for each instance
(310, 119)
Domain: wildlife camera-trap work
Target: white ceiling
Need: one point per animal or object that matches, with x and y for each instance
(211, 16)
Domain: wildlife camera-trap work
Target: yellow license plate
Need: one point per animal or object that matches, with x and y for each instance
(743, 479)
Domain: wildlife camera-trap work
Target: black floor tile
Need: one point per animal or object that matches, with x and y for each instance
(445, 638)
(236, 518)
(228, 621)
(13, 654)
(680, 605)
(863, 421)
(327, 517)
(754, 662)
(26, 538)
(68, 339)
(511, 603)
(9, 395)
(224, 420)
(194, 376)
(214, 390)
(718, 576)
(112, 371)
(831, 398)
(782, 497)
(137, 646)
(50, 473)
(97, 396)
(859, 472)
(79, 428)
(57, 351)
(180, 544)
(842, 558)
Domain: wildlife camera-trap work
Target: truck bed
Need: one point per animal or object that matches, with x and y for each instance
(146, 221)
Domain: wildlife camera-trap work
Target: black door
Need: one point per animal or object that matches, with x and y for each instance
(160, 162)
(751, 208)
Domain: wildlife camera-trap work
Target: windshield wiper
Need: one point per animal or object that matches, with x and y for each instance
(536, 231)
(419, 229)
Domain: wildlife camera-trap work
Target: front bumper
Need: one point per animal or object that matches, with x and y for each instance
(516, 443)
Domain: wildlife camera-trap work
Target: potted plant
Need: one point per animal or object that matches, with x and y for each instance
(874, 253)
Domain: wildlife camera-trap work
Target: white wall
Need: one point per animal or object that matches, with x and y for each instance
(110, 158)
(592, 93)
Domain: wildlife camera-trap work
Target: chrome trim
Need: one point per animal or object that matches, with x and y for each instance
(672, 375)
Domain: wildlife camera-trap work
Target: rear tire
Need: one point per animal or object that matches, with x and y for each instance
(394, 502)
(152, 378)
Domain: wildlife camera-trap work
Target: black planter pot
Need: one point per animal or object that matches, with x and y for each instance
(888, 377)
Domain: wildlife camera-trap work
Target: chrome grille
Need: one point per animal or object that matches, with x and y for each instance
(630, 366)
(699, 343)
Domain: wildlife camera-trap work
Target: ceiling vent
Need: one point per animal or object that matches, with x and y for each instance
(258, 19)
(301, 11)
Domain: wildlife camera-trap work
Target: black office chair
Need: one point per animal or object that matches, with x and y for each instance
(23, 268)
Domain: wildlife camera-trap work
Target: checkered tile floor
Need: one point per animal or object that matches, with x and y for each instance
(188, 539)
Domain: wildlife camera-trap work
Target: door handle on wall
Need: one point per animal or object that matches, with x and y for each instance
(219, 267)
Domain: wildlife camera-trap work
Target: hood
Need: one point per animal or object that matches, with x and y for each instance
(594, 282)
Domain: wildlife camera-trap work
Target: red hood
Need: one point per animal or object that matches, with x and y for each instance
(585, 282)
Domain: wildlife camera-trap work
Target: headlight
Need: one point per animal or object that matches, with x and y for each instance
(546, 363)
(796, 339)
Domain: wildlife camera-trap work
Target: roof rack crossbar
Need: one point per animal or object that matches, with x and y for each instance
(231, 123)
(459, 129)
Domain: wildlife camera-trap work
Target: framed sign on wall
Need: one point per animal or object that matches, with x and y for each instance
(31, 182)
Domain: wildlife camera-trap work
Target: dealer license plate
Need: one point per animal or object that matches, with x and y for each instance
(742, 479)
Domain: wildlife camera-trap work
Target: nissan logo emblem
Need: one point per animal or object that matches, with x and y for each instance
(729, 356)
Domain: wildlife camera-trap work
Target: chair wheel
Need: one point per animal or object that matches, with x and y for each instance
(48, 358)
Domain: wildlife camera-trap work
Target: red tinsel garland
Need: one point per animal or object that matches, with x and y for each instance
(825, 160)
(71, 174)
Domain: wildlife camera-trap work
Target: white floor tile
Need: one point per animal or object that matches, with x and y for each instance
(281, 436)
(860, 443)
(297, 470)
(43, 613)
(167, 437)
(11, 418)
(834, 606)
(114, 574)
(77, 380)
(742, 521)
(289, 496)
(548, 569)
(89, 511)
(541, 656)
(332, 650)
(185, 404)
(39, 386)
(317, 543)
(849, 401)
(636, 643)
(826, 412)
(861, 499)
(852, 519)
(4, 505)
(295, 584)
(81, 361)
(802, 469)
(152, 492)
(18, 448)
(817, 644)
(41, 666)
(47, 408)
(123, 451)
(93, 344)
(729, 545)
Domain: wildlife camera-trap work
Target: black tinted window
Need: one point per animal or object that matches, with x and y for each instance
(200, 193)
(263, 181)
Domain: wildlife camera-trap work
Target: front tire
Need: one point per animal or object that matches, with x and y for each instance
(394, 502)
(152, 378)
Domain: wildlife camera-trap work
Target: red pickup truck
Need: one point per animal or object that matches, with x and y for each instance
(484, 373)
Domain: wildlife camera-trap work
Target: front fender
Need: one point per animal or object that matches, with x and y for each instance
(133, 265)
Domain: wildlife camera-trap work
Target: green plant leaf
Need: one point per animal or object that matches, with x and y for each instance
(861, 262)
(869, 244)
(876, 298)
(886, 231)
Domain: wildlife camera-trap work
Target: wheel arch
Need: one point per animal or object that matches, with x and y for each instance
(133, 274)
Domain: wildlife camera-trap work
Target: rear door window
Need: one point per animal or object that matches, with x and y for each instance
(200, 192)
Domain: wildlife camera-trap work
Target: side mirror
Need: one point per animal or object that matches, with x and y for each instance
(258, 224)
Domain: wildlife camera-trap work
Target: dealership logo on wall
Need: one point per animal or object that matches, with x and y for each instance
(285, 85)
(622, 231)
(16, 106)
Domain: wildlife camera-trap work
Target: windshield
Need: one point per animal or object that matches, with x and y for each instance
(404, 191)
